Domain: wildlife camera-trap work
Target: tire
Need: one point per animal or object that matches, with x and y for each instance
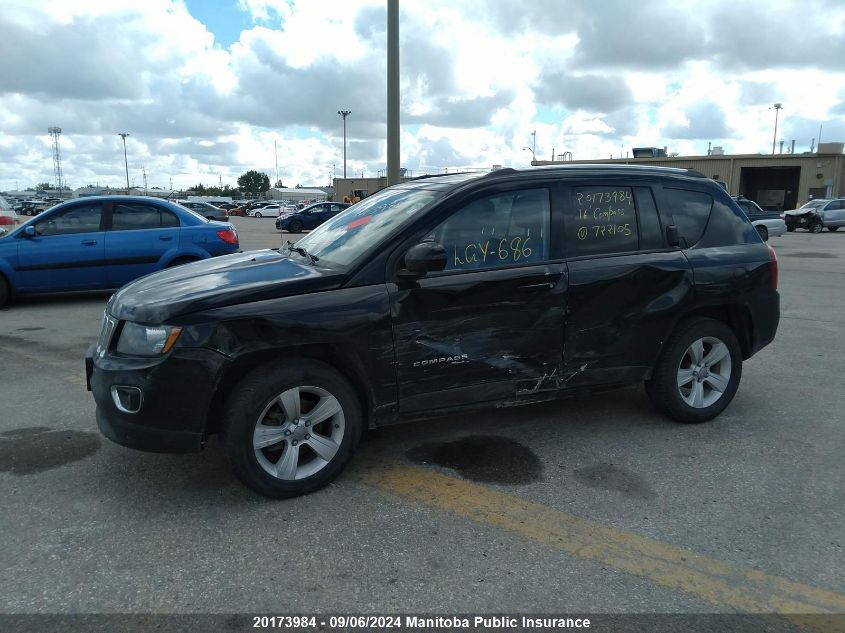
(832, 228)
(258, 215)
(675, 398)
(816, 227)
(5, 292)
(180, 261)
(258, 398)
(790, 227)
(763, 232)
(295, 227)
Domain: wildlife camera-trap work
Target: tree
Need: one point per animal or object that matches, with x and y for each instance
(43, 185)
(254, 182)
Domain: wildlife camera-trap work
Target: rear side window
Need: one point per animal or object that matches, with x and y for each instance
(601, 220)
(128, 217)
(690, 211)
(651, 232)
(499, 230)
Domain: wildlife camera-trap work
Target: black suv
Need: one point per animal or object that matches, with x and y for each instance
(436, 295)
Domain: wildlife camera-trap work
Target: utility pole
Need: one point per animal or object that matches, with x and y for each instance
(534, 144)
(276, 154)
(344, 114)
(123, 135)
(777, 107)
(144, 172)
(392, 92)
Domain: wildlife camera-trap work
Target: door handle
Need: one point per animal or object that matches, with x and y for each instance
(89, 242)
(165, 238)
(544, 284)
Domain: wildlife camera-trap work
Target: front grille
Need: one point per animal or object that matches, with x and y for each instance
(106, 332)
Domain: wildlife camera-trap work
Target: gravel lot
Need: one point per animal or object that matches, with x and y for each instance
(574, 506)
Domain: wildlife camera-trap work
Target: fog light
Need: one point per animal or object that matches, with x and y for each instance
(127, 399)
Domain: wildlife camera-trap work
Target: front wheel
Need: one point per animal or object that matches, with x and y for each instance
(763, 232)
(816, 227)
(290, 429)
(258, 214)
(295, 227)
(5, 291)
(698, 372)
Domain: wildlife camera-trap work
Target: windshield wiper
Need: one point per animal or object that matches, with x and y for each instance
(301, 251)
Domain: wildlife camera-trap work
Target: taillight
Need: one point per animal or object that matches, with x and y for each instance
(773, 268)
(229, 236)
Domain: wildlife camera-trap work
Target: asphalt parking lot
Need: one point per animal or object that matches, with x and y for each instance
(582, 506)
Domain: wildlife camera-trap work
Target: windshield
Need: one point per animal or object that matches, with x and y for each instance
(362, 227)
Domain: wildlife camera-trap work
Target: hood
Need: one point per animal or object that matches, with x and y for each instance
(218, 282)
(802, 211)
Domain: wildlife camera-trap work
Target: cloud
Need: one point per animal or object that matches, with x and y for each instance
(705, 120)
(595, 93)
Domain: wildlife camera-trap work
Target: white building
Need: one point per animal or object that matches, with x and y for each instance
(296, 195)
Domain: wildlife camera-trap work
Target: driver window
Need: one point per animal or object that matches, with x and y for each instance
(499, 230)
(78, 219)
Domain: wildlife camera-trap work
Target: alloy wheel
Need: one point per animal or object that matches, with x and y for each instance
(298, 432)
(704, 372)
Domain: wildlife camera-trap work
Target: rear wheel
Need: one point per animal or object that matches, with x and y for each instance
(764, 233)
(698, 372)
(816, 227)
(291, 429)
(832, 228)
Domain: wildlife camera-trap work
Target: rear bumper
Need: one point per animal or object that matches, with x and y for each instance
(766, 317)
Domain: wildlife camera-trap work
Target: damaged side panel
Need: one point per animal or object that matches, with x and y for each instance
(477, 336)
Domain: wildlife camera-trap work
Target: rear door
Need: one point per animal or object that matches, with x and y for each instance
(67, 252)
(139, 235)
(626, 286)
(490, 326)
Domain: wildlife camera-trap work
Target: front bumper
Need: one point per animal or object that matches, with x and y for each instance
(177, 391)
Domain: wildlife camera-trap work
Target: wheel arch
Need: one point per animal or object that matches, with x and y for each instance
(329, 355)
(736, 316)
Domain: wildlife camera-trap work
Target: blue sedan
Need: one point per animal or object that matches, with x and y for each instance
(105, 242)
(309, 217)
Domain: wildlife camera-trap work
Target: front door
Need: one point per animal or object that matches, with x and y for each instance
(67, 252)
(490, 326)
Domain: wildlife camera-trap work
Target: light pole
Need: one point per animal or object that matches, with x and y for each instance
(123, 135)
(534, 144)
(392, 92)
(533, 155)
(778, 107)
(344, 114)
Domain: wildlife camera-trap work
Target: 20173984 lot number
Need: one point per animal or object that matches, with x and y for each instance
(283, 621)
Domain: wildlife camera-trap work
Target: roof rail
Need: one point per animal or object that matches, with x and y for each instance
(504, 170)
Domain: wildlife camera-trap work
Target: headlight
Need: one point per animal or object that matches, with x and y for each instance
(147, 340)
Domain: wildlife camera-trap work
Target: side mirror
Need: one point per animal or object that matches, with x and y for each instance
(424, 258)
(29, 231)
(672, 236)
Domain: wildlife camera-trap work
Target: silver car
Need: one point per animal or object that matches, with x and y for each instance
(817, 215)
(767, 223)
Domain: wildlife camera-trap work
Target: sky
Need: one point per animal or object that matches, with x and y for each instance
(208, 89)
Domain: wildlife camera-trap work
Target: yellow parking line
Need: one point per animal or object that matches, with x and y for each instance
(722, 584)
